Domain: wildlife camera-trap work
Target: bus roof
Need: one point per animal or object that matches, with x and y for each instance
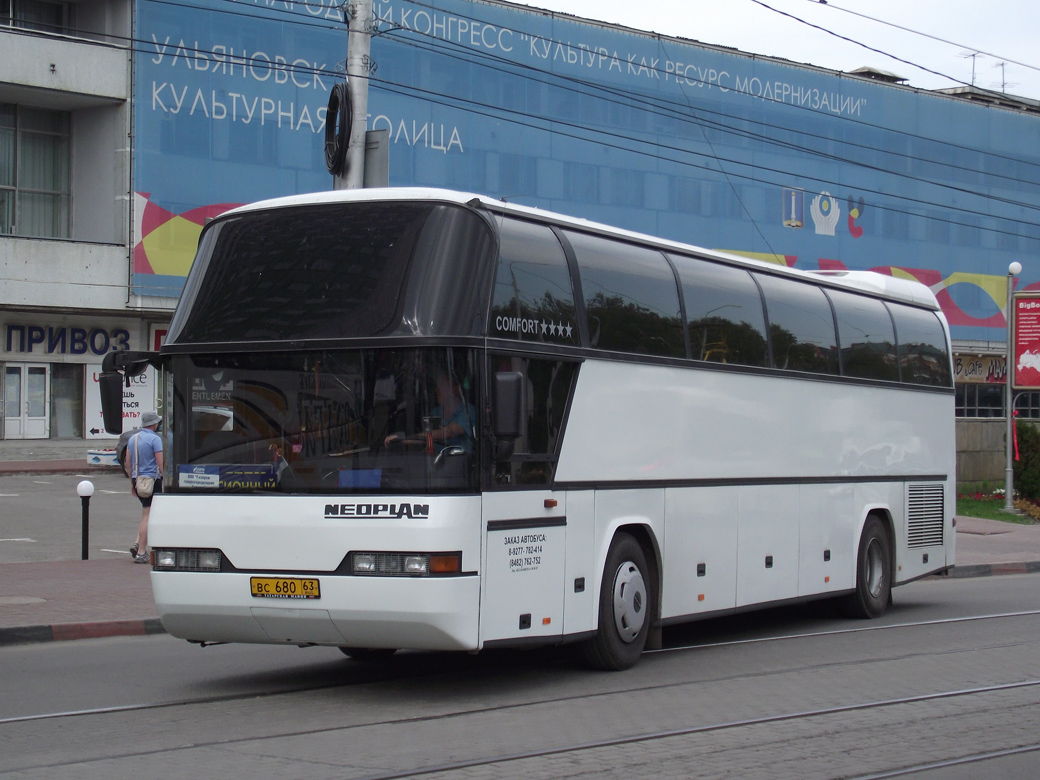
(907, 290)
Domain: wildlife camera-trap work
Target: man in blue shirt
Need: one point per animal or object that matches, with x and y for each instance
(456, 418)
(144, 458)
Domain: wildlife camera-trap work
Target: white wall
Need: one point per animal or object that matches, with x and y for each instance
(100, 179)
(87, 69)
(67, 274)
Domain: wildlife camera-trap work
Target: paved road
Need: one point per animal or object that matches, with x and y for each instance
(782, 694)
(42, 517)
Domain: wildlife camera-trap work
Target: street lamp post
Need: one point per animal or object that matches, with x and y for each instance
(1009, 394)
(85, 490)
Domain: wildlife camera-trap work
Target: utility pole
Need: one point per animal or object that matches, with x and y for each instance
(359, 45)
(1009, 392)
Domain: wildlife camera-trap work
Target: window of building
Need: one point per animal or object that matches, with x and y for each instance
(66, 401)
(895, 224)
(726, 201)
(517, 175)
(686, 195)
(631, 297)
(35, 189)
(981, 400)
(35, 15)
(625, 188)
(1027, 403)
(581, 182)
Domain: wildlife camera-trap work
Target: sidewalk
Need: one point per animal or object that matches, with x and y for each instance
(986, 547)
(58, 600)
(51, 456)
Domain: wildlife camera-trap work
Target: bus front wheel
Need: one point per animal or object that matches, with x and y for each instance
(873, 573)
(625, 608)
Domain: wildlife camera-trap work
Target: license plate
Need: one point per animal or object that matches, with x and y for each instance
(284, 587)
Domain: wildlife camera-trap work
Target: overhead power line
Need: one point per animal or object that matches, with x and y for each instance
(580, 132)
(623, 142)
(514, 116)
(972, 49)
(1018, 161)
(296, 18)
(687, 113)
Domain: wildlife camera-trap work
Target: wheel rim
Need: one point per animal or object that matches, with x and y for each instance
(875, 565)
(629, 601)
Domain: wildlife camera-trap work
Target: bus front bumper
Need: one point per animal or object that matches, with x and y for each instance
(422, 613)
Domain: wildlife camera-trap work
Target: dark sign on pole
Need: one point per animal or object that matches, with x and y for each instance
(1026, 375)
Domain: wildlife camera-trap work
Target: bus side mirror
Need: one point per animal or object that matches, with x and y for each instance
(508, 411)
(115, 368)
(111, 387)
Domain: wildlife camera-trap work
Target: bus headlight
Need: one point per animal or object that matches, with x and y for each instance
(187, 560)
(364, 563)
(395, 564)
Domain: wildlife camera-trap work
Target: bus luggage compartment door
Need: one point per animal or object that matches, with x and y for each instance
(524, 568)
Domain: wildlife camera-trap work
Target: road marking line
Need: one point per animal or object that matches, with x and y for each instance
(20, 539)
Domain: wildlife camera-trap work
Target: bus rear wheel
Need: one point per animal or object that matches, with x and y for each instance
(367, 653)
(625, 608)
(873, 573)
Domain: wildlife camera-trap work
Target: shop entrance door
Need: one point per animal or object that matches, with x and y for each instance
(26, 410)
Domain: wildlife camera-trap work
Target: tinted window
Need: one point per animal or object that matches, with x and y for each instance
(868, 341)
(924, 358)
(338, 271)
(631, 299)
(801, 326)
(326, 421)
(548, 386)
(533, 299)
(723, 313)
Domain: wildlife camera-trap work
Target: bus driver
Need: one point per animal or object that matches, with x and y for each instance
(455, 415)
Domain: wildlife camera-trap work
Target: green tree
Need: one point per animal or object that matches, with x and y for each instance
(1027, 466)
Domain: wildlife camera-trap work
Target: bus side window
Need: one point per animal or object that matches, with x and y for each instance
(868, 341)
(546, 395)
(924, 358)
(723, 313)
(801, 326)
(631, 297)
(533, 299)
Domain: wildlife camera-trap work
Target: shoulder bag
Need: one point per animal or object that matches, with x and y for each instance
(144, 485)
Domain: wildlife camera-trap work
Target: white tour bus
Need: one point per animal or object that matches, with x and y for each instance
(410, 418)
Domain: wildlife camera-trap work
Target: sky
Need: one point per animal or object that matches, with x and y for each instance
(1005, 31)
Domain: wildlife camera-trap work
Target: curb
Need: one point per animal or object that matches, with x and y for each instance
(993, 569)
(61, 632)
(14, 469)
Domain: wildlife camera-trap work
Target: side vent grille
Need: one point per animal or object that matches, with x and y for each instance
(925, 515)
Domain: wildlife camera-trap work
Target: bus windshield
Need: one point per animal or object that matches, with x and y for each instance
(338, 271)
(326, 421)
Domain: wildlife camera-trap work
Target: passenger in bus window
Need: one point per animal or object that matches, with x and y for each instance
(450, 421)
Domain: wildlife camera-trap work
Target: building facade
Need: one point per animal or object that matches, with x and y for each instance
(126, 124)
